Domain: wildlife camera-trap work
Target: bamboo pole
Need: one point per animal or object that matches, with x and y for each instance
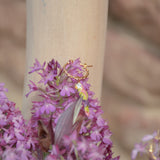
(63, 30)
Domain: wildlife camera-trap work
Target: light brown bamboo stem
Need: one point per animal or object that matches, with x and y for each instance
(63, 30)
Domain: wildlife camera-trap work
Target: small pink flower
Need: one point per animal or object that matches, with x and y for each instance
(67, 91)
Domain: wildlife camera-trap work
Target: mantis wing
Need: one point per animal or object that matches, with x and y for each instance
(65, 122)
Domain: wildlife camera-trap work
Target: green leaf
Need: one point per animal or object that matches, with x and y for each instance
(61, 157)
(76, 153)
(57, 81)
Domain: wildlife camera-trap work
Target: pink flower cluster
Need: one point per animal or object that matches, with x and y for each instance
(149, 147)
(16, 141)
(59, 128)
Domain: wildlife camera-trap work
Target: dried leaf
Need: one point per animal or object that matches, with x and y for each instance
(50, 129)
(44, 137)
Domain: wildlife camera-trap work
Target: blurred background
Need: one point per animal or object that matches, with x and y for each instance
(131, 88)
